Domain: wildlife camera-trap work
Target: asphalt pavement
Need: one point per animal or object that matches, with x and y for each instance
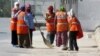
(87, 45)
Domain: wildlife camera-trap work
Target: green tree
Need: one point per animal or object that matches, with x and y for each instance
(5, 8)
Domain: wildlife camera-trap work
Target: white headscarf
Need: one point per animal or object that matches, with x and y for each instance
(15, 5)
(70, 13)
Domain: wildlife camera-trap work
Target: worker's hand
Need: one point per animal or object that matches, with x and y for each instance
(49, 17)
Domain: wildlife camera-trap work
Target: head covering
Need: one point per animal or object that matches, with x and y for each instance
(28, 7)
(68, 13)
(62, 8)
(50, 7)
(71, 12)
(16, 5)
(22, 8)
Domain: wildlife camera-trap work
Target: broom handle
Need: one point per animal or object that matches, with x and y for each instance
(38, 26)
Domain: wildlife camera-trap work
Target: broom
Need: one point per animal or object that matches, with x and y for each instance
(46, 42)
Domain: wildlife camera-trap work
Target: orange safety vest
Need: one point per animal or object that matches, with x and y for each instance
(50, 24)
(62, 23)
(74, 25)
(13, 22)
(22, 28)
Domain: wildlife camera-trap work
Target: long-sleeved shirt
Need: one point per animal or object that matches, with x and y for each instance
(29, 20)
(14, 12)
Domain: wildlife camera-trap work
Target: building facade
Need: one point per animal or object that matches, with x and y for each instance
(87, 11)
(88, 14)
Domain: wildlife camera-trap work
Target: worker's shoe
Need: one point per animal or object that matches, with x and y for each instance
(21, 46)
(64, 48)
(77, 49)
(16, 46)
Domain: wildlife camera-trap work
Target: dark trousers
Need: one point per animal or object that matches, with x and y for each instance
(14, 39)
(30, 35)
(24, 40)
(51, 37)
(73, 40)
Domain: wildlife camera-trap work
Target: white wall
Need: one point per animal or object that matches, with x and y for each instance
(46, 5)
(89, 14)
(40, 5)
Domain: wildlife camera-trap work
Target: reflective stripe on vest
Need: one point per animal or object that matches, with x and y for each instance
(61, 21)
(61, 17)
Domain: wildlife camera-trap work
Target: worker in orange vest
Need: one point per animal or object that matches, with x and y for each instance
(75, 31)
(13, 24)
(61, 28)
(23, 30)
(50, 24)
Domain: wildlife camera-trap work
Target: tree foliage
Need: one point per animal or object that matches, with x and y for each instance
(5, 8)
